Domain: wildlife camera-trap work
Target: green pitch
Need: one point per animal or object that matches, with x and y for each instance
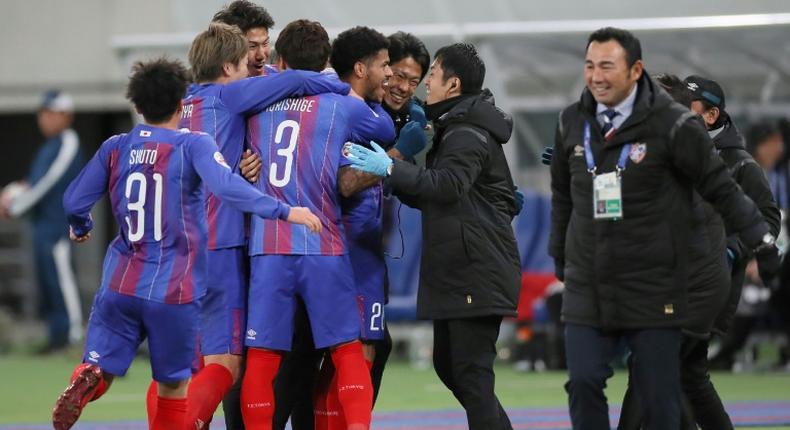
(29, 387)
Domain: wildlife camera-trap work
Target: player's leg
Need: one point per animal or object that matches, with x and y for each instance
(222, 320)
(326, 284)
(114, 333)
(383, 350)
(296, 379)
(271, 303)
(172, 330)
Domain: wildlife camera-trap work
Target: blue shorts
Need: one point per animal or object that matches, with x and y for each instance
(223, 308)
(325, 284)
(369, 273)
(119, 323)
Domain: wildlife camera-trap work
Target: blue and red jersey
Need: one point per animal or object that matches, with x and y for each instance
(155, 178)
(220, 110)
(300, 142)
(363, 212)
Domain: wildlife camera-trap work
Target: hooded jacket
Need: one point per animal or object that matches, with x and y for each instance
(751, 177)
(470, 265)
(632, 273)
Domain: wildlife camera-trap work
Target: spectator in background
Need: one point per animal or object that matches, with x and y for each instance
(56, 163)
(764, 142)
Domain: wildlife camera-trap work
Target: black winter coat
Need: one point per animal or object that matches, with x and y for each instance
(632, 273)
(751, 177)
(470, 264)
(714, 289)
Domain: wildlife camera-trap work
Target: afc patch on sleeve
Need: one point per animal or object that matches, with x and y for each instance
(220, 160)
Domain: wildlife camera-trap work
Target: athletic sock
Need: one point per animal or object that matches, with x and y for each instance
(151, 397)
(206, 391)
(170, 414)
(354, 389)
(257, 388)
(325, 377)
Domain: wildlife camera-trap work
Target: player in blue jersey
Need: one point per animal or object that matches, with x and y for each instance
(300, 141)
(255, 22)
(361, 57)
(155, 270)
(218, 104)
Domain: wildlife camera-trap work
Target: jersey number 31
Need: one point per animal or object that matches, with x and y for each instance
(138, 207)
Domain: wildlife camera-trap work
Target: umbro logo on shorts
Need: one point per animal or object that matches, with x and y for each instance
(251, 334)
(94, 356)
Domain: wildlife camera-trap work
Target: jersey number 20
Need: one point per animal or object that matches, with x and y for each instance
(287, 152)
(138, 207)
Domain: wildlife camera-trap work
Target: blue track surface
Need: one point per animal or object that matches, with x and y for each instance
(746, 414)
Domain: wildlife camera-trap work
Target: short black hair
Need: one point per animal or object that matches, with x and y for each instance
(675, 87)
(460, 60)
(304, 45)
(246, 15)
(626, 39)
(156, 88)
(405, 45)
(759, 133)
(355, 44)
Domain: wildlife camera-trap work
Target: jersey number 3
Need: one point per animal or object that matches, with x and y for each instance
(287, 153)
(138, 207)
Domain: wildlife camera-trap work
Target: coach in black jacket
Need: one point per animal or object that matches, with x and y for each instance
(627, 277)
(470, 271)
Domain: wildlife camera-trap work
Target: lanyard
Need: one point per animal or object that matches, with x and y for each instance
(589, 155)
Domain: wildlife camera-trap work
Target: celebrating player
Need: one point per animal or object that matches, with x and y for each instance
(155, 270)
(299, 141)
(218, 104)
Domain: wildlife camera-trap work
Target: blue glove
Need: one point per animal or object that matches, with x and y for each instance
(412, 139)
(519, 200)
(547, 155)
(416, 113)
(375, 161)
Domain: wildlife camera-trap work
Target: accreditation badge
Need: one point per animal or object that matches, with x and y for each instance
(607, 196)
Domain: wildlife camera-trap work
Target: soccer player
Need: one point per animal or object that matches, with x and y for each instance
(359, 55)
(255, 22)
(218, 104)
(155, 270)
(300, 141)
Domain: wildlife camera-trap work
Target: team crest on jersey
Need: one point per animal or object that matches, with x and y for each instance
(220, 160)
(145, 133)
(638, 152)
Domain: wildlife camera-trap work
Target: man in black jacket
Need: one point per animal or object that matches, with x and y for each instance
(716, 262)
(470, 271)
(626, 159)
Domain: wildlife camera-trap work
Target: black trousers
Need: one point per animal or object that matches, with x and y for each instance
(656, 374)
(463, 357)
(701, 402)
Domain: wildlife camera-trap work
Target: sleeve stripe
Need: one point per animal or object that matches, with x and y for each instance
(68, 151)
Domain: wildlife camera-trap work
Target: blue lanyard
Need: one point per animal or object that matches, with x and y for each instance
(589, 155)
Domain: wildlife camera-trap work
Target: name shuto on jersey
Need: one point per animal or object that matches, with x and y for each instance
(142, 156)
